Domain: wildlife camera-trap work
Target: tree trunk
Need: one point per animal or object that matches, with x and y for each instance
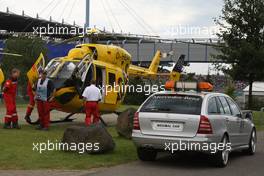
(250, 98)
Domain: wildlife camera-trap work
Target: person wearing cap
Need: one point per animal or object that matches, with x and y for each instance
(9, 95)
(92, 96)
(44, 95)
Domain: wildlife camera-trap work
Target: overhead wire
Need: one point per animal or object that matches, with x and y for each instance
(71, 9)
(49, 4)
(142, 19)
(54, 7)
(144, 25)
(136, 17)
(63, 10)
(132, 15)
(113, 15)
(106, 14)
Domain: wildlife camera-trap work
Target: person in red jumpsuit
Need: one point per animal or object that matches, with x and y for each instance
(31, 104)
(9, 95)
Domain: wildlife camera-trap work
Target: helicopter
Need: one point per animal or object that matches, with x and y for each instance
(109, 65)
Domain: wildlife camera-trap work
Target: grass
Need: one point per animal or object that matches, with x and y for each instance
(17, 151)
(259, 120)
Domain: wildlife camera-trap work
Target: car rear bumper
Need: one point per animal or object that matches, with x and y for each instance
(201, 143)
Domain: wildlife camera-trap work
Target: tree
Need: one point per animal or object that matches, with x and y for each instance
(29, 48)
(242, 30)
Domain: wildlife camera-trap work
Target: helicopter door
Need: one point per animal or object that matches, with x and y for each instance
(111, 94)
(84, 74)
(33, 73)
(101, 80)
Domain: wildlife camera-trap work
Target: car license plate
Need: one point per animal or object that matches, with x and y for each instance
(167, 126)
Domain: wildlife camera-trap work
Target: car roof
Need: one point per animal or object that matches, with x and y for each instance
(191, 93)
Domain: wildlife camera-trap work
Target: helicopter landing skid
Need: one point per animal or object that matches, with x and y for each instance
(66, 119)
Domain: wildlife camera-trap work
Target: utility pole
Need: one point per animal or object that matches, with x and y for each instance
(87, 18)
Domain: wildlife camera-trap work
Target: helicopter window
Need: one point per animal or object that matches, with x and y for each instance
(66, 70)
(99, 77)
(112, 78)
(82, 70)
(52, 66)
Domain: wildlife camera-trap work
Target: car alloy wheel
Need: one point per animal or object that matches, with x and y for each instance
(222, 156)
(225, 152)
(253, 141)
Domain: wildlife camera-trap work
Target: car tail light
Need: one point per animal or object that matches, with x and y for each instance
(205, 126)
(136, 121)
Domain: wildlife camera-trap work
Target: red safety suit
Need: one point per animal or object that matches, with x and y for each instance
(92, 108)
(44, 92)
(31, 100)
(44, 113)
(10, 90)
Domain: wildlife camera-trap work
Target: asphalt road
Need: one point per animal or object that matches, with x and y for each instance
(193, 165)
(180, 165)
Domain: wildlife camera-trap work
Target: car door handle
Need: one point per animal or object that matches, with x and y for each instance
(227, 120)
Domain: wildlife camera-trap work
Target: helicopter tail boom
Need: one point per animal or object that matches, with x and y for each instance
(155, 62)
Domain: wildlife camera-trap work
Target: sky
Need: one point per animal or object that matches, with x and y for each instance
(165, 18)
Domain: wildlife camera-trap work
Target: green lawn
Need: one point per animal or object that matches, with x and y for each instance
(259, 120)
(16, 151)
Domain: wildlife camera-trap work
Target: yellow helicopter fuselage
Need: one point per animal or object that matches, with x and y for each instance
(106, 64)
(109, 65)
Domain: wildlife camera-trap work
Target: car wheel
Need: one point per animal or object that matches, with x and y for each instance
(146, 154)
(252, 143)
(222, 156)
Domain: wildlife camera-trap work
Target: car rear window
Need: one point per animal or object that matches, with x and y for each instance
(180, 104)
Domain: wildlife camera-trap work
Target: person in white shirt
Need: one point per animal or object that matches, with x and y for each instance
(92, 96)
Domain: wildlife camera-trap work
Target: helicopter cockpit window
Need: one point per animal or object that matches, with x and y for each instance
(66, 70)
(52, 67)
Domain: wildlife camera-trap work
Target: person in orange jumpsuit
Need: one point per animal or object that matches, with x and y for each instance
(9, 95)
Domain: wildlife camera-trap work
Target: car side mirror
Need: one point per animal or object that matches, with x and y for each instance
(239, 115)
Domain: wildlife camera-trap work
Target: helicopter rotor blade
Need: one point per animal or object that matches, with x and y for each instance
(11, 54)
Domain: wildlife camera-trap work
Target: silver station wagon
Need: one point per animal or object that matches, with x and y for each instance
(192, 121)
